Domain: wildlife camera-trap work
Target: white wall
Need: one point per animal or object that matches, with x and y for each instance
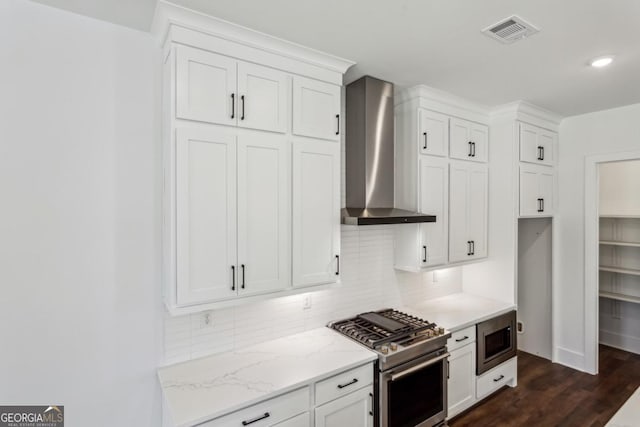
(369, 282)
(602, 132)
(79, 236)
(620, 187)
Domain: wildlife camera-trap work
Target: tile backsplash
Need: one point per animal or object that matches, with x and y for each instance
(369, 282)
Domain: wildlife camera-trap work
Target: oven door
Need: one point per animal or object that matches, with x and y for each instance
(496, 341)
(414, 394)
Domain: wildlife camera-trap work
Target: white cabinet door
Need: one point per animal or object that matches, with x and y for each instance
(434, 184)
(459, 246)
(478, 210)
(433, 134)
(316, 109)
(353, 410)
(205, 86)
(468, 210)
(316, 212)
(537, 145)
(262, 100)
(536, 190)
(461, 392)
(206, 215)
(468, 140)
(263, 213)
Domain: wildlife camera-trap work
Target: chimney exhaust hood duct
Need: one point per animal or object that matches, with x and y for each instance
(370, 157)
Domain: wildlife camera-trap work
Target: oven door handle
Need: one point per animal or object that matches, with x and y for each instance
(418, 367)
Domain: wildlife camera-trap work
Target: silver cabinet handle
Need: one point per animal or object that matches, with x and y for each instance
(418, 367)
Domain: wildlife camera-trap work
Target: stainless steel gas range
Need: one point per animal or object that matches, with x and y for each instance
(412, 368)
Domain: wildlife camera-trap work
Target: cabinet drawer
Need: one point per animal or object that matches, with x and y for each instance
(492, 380)
(343, 383)
(302, 420)
(461, 338)
(267, 413)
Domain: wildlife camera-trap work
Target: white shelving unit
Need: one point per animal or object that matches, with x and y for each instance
(620, 257)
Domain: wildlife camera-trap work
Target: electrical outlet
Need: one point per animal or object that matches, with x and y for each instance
(434, 278)
(306, 305)
(520, 327)
(206, 320)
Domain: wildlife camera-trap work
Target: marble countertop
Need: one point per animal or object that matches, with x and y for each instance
(206, 388)
(457, 311)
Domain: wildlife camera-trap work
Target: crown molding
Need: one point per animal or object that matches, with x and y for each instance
(168, 14)
(443, 102)
(527, 112)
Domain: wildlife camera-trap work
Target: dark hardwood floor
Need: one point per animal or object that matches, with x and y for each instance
(550, 395)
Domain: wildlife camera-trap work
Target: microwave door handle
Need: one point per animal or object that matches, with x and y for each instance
(418, 367)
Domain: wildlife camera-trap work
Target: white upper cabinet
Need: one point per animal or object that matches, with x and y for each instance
(434, 184)
(263, 213)
(316, 109)
(316, 212)
(205, 86)
(262, 98)
(231, 213)
(468, 195)
(468, 140)
(537, 145)
(536, 190)
(221, 90)
(433, 133)
(206, 215)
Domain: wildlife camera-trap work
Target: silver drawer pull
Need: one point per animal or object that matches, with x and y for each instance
(355, 380)
(262, 417)
(498, 379)
(418, 367)
(462, 339)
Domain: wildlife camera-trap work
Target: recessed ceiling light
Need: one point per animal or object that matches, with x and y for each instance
(602, 61)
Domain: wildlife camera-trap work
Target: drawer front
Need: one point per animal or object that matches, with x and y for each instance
(267, 413)
(492, 380)
(302, 420)
(461, 338)
(344, 383)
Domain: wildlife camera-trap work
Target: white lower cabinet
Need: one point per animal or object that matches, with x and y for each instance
(353, 410)
(461, 392)
(503, 374)
(268, 413)
(302, 420)
(461, 387)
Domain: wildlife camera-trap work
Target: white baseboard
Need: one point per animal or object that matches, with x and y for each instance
(623, 342)
(570, 358)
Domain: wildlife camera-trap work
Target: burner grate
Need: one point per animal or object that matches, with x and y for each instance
(378, 327)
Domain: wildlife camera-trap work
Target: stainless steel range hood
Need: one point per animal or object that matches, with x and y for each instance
(370, 157)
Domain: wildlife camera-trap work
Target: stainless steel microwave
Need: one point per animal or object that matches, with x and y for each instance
(495, 341)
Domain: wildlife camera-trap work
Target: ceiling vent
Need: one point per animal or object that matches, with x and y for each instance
(510, 29)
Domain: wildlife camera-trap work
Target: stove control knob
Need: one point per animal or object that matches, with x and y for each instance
(429, 333)
(440, 331)
(384, 349)
(393, 346)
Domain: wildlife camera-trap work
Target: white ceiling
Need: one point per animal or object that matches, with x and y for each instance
(438, 43)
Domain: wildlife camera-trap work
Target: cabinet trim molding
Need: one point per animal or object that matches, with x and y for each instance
(169, 17)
